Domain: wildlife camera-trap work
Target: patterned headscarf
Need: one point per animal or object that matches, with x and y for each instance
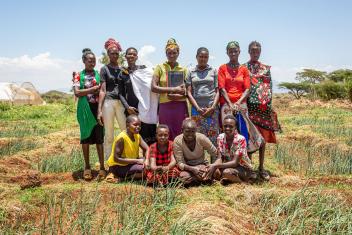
(232, 44)
(110, 43)
(171, 44)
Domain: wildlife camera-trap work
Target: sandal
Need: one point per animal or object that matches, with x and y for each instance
(87, 174)
(101, 174)
(111, 178)
(265, 175)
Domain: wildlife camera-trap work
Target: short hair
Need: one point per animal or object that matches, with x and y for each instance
(162, 126)
(131, 117)
(131, 48)
(200, 49)
(254, 44)
(190, 122)
(231, 117)
(85, 53)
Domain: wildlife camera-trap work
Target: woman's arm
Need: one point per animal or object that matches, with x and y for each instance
(119, 146)
(102, 94)
(244, 96)
(144, 146)
(83, 92)
(192, 100)
(172, 163)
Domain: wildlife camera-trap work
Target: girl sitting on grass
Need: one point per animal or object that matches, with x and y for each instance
(124, 161)
(233, 160)
(161, 158)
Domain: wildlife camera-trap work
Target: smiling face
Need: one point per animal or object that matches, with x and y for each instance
(189, 130)
(113, 54)
(254, 53)
(162, 135)
(131, 56)
(89, 62)
(172, 55)
(202, 58)
(233, 53)
(229, 126)
(134, 126)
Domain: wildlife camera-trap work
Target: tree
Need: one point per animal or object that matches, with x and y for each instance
(341, 75)
(105, 59)
(311, 76)
(296, 89)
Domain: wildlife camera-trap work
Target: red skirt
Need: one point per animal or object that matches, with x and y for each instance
(161, 177)
(268, 135)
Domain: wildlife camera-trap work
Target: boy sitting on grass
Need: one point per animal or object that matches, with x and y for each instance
(161, 158)
(124, 161)
(233, 160)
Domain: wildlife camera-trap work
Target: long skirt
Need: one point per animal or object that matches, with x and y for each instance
(172, 114)
(255, 139)
(209, 126)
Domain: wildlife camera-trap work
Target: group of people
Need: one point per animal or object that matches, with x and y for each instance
(231, 116)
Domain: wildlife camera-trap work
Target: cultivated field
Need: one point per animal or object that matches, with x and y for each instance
(310, 191)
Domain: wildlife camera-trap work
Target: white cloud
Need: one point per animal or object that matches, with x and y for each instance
(43, 70)
(144, 55)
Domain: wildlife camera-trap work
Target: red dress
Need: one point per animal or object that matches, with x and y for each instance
(162, 159)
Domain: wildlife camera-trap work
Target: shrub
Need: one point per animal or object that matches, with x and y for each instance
(330, 90)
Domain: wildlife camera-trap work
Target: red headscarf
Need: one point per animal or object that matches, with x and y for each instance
(110, 43)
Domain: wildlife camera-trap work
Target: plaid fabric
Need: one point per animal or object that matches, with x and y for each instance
(162, 159)
(161, 178)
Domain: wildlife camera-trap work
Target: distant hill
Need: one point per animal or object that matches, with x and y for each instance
(56, 96)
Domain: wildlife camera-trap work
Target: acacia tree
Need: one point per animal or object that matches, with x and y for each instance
(340, 75)
(311, 76)
(296, 89)
(105, 58)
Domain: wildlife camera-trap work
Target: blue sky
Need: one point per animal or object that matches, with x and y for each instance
(41, 41)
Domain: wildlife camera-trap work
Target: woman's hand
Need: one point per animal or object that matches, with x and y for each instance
(208, 112)
(100, 118)
(140, 161)
(132, 110)
(179, 89)
(210, 171)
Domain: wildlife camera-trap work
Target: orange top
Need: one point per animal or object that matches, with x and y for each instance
(234, 80)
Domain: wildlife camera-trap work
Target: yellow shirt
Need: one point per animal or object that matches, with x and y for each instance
(161, 71)
(130, 148)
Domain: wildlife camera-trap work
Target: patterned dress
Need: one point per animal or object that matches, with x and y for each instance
(238, 148)
(259, 102)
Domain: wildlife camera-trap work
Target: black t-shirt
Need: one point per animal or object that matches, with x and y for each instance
(126, 89)
(110, 76)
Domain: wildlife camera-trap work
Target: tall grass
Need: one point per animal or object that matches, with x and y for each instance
(17, 145)
(129, 210)
(312, 160)
(66, 162)
(307, 211)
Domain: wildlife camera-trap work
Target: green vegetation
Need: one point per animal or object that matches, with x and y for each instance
(64, 162)
(312, 193)
(319, 142)
(320, 84)
(306, 211)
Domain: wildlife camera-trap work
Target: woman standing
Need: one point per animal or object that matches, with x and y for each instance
(259, 102)
(86, 86)
(203, 94)
(234, 85)
(168, 81)
(110, 106)
(136, 95)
